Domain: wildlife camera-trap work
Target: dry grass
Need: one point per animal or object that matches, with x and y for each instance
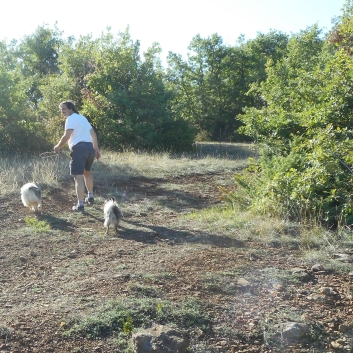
(160, 165)
(315, 242)
(16, 170)
(51, 170)
(177, 241)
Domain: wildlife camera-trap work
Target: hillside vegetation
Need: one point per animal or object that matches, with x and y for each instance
(229, 280)
(289, 94)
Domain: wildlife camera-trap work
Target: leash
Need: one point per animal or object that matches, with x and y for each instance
(50, 154)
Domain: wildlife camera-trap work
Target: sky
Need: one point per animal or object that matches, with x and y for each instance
(171, 23)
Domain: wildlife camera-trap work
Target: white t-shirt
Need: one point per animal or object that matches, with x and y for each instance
(81, 128)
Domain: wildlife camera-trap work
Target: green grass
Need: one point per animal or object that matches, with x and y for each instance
(271, 326)
(159, 165)
(36, 225)
(279, 276)
(157, 277)
(312, 243)
(133, 313)
(324, 257)
(219, 283)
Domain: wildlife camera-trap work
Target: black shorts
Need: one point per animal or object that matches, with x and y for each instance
(82, 157)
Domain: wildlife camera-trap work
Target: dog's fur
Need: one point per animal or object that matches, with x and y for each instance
(112, 214)
(31, 196)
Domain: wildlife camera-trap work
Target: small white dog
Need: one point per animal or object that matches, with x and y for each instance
(31, 196)
(112, 214)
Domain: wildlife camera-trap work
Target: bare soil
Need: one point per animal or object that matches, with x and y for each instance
(50, 279)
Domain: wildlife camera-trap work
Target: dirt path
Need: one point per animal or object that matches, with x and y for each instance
(53, 279)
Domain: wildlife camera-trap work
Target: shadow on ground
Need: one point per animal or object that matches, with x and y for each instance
(176, 236)
(57, 223)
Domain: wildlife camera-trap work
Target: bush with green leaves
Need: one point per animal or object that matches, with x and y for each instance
(128, 102)
(19, 130)
(305, 134)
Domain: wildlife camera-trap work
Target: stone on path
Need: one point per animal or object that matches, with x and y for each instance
(160, 339)
(294, 330)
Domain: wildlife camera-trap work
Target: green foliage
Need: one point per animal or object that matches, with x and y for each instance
(288, 86)
(22, 67)
(211, 88)
(19, 130)
(242, 195)
(305, 133)
(38, 56)
(77, 62)
(39, 52)
(38, 226)
(128, 102)
(125, 315)
(127, 324)
(341, 33)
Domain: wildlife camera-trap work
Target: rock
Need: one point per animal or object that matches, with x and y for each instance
(317, 267)
(294, 330)
(336, 345)
(300, 273)
(72, 254)
(343, 257)
(303, 292)
(221, 343)
(327, 291)
(199, 333)
(160, 339)
(243, 283)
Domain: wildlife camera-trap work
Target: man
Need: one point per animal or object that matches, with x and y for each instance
(83, 144)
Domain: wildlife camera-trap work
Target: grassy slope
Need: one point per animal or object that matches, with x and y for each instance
(178, 260)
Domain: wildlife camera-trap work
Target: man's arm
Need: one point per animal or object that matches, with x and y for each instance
(63, 140)
(95, 143)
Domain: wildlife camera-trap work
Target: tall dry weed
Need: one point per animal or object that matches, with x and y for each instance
(18, 170)
(159, 165)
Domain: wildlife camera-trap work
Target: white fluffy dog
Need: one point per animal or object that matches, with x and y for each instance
(31, 196)
(112, 214)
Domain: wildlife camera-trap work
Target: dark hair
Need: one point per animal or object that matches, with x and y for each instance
(70, 105)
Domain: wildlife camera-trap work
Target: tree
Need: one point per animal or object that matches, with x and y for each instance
(38, 57)
(212, 86)
(305, 132)
(341, 33)
(127, 100)
(199, 86)
(77, 62)
(18, 128)
(289, 90)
